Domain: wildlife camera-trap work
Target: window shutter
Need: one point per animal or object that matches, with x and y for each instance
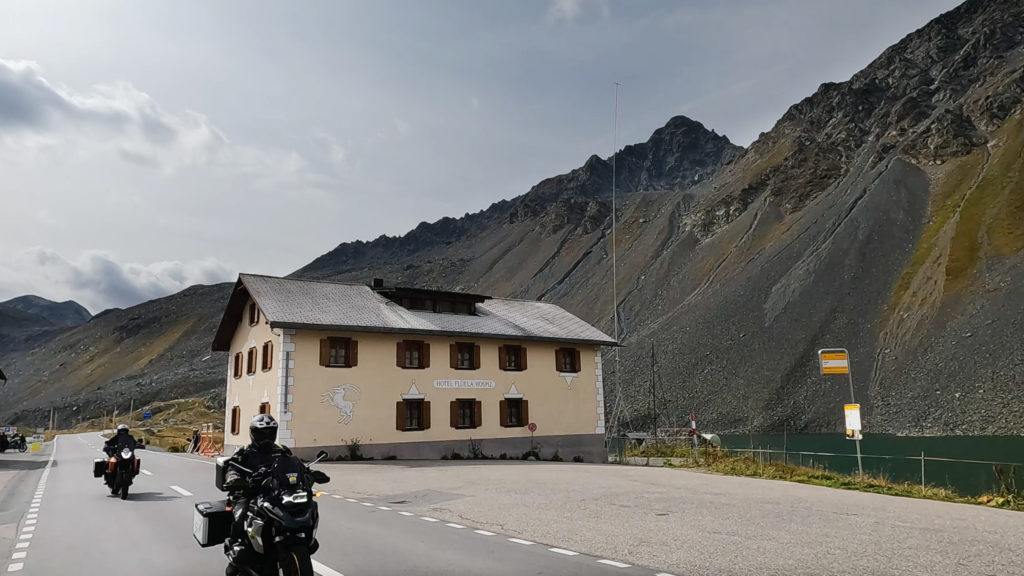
(426, 415)
(578, 365)
(525, 413)
(353, 353)
(558, 359)
(400, 355)
(503, 412)
(400, 415)
(234, 419)
(502, 358)
(476, 357)
(478, 414)
(522, 357)
(425, 360)
(453, 353)
(325, 351)
(453, 409)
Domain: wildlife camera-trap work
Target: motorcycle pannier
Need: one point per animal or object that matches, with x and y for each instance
(211, 524)
(221, 471)
(99, 467)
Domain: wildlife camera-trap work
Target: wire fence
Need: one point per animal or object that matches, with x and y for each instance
(968, 476)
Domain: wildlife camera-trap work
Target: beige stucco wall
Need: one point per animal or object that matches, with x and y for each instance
(554, 406)
(248, 391)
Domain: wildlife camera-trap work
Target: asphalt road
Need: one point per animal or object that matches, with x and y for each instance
(68, 523)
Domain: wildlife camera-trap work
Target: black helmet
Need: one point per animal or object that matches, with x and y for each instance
(263, 432)
(122, 429)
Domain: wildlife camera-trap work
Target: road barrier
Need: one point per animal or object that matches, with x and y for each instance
(207, 445)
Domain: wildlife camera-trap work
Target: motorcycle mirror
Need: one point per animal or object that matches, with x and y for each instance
(321, 455)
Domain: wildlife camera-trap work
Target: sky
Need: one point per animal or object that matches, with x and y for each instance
(149, 146)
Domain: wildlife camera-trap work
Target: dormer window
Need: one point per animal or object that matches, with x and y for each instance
(254, 314)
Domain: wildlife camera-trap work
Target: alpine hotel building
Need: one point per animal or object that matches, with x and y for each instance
(409, 373)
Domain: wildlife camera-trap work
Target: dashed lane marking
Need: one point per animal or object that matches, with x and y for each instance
(324, 570)
(664, 574)
(366, 503)
(22, 545)
(14, 567)
(563, 552)
(485, 533)
(146, 472)
(383, 508)
(32, 516)
(18, 555)
(31, 522)
(520, 541)
(406, 513)
(25, 537)
(351, 500)
(336, 496)
(613, 563)
(429, 519)
(29, 529)
(454, 525)
(180, 490)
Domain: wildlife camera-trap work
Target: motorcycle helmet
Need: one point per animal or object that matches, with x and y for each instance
(122, 429)
(263, 432)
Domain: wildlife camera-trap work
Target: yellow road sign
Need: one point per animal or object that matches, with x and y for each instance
(834, 362)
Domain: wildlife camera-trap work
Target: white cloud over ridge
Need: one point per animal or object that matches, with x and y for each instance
(98, 280)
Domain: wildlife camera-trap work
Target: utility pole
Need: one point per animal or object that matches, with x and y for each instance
(131, 414)
(654, 397)
(615, 290)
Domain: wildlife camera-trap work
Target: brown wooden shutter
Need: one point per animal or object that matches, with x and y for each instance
(478, 415)
(522, 357)
(453, 410)
(425, 356)
(353, 353)
(400, 415)
(235, 416)
(453, 353)
(578, 365)
(400, 354)
(325, 351)
(558, 359)
(524, 413)
(502, 358)
(476, 357)
(503, 413)
(425, 419)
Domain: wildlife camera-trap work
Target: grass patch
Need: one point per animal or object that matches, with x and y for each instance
(751, 466)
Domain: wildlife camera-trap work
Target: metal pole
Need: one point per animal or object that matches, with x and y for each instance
(654, 399)
(849, 373)
(922, 469)
(615, 290)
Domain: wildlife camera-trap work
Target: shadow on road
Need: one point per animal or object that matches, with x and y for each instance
(149, 497)
(11, 464)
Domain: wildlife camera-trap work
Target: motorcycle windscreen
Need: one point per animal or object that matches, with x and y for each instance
(288, 473)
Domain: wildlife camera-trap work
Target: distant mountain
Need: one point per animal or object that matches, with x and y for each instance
(68, 313)
(884, 214)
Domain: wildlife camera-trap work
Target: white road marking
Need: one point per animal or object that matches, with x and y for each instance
(28, 529)
(523, 542)
(36, 501)
(613, 563)
(22, 544)
(335, 496)
(19, 555)
(15, 567)
(563, 552)
(351, 500)
(33, 516)
(485, 533)
(383, 508)
(664, 574)
(25, 537)
(366, 504)
(34, 509)
(324, 570)
(180, 490)
(31, 522)
(406, 513)
(429, 519)
(146, 472)
(454, 525)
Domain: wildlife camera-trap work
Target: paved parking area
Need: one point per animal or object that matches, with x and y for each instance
(694, 523)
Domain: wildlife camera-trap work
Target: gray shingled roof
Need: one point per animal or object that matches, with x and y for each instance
(290, 303)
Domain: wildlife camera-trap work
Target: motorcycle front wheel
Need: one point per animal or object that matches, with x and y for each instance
(22, 448)
(294, 560)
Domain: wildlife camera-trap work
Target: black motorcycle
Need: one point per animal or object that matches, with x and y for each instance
(122, 468)
(281, 519)
(17, 443)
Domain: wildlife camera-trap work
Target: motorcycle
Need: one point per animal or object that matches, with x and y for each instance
(122, 468)
(17, 443)
(280, 519)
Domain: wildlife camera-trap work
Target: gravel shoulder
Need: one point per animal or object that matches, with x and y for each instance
(695, 523)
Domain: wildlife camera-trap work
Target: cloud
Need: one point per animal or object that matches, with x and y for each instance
(396, 129)
(570, 11)
(98, 281)
(40, 118)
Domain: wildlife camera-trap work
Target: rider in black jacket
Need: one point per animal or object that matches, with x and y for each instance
(259, 456)
(119, 441)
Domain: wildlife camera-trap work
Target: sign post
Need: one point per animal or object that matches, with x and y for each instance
(532, 428)
(837, 361)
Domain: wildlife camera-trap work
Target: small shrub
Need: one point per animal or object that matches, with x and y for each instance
(174, 448)
(444, 456)
(355, 449)
(531, 454)
(456, 455)
(577, 458)
(390, 457)
(476, 450)
(503, 456)
(556, 457)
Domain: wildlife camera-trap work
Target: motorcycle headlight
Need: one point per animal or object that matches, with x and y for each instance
(295, 498)
(126, 453)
